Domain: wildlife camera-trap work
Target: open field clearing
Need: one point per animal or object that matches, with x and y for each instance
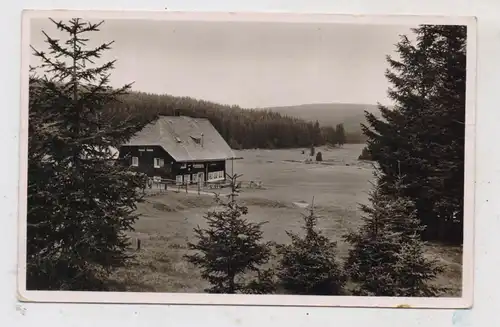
(338, 185)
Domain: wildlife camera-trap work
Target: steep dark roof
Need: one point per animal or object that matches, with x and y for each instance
(185, 139)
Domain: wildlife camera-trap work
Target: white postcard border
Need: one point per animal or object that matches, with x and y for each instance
(465, 301)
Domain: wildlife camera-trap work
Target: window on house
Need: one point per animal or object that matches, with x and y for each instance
(178, 179)
(196, 140)
(135, 161)
(158, 162)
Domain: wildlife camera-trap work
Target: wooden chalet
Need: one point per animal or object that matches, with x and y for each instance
(179, 148)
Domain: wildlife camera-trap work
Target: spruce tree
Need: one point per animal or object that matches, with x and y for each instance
(340, 134)
(423, 135)
(387, 255)
(80, 204)
(316, 133)
(230, 249)
(330, 135)
(308, 265)
(413, 271)
(370, 260)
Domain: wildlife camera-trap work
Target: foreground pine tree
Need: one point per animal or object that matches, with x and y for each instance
(308, 265)
(80, 204)
(413, 271)
(423, 135)
(370, 260)
(387, 255)
(231, 248)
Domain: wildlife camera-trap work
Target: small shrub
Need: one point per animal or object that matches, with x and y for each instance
(319, 156)
(234, 144)
(365, 155)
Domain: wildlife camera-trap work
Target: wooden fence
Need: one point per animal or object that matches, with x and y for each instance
(154, 187)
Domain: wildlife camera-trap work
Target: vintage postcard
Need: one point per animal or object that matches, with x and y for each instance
(247, 159)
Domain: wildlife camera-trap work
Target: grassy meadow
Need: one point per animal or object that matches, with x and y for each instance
(338, 185)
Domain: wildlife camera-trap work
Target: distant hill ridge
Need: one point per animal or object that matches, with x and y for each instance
(350, 114)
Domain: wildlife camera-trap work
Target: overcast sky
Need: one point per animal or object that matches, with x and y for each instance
(247, 64)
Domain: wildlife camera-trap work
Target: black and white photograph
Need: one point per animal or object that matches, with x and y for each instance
(260, 159)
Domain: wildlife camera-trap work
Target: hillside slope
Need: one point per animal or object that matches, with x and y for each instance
(241, 128)
(327, 114)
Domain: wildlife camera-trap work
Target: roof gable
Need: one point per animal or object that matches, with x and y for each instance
(184, 138)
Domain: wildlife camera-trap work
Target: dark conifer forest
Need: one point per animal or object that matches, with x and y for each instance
(241, 128)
